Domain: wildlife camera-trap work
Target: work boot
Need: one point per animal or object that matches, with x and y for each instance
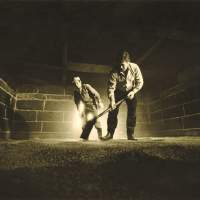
(130, 134)
(109, 136)
(99, 132)
(83, 140)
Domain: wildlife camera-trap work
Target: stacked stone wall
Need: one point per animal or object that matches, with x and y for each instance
(49, 112)
(44, 115)
(7, 102)
(177, 111)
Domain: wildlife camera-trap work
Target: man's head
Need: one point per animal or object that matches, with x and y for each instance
(125, 59)
(77, 82)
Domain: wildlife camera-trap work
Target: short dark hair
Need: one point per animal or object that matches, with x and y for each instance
(125, 57)
(121, 56)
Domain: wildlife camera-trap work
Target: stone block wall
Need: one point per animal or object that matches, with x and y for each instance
(48, 111)
(7, 101)
(177, 111)
(52, 113)
(43, 114)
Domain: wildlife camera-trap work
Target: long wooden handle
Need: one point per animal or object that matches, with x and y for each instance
(109, 108)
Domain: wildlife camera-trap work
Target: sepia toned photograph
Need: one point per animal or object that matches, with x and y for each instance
(99, 100)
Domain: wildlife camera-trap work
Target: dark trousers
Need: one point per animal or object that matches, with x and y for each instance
(131, 114)
(90, 109)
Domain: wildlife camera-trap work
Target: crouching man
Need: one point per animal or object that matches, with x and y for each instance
(87, 101)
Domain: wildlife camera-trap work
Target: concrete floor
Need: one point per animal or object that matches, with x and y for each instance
(182, 139)
(150, 168)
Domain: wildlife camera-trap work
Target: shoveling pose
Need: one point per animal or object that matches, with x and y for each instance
(125, 80)
(88, 101)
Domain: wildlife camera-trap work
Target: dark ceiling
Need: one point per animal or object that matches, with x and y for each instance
(162, 35)
(92, 31)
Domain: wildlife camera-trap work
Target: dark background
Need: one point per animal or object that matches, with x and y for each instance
(39, 40)
(162, 37)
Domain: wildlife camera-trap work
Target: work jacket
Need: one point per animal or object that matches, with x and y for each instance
(88, 96)
(129, 80)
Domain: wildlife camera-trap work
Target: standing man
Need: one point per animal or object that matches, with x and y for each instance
(87, 101)
(125, 81)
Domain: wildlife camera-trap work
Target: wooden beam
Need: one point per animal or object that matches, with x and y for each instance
(90, 68)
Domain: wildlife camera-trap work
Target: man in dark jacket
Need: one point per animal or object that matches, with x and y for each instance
(125, 80)
(88, 101)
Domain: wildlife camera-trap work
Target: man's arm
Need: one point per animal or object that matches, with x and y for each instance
(138, 80)
(79, 103)
(95, 94)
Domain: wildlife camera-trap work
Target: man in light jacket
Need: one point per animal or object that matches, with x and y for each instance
(88, 101)
(124, 81)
